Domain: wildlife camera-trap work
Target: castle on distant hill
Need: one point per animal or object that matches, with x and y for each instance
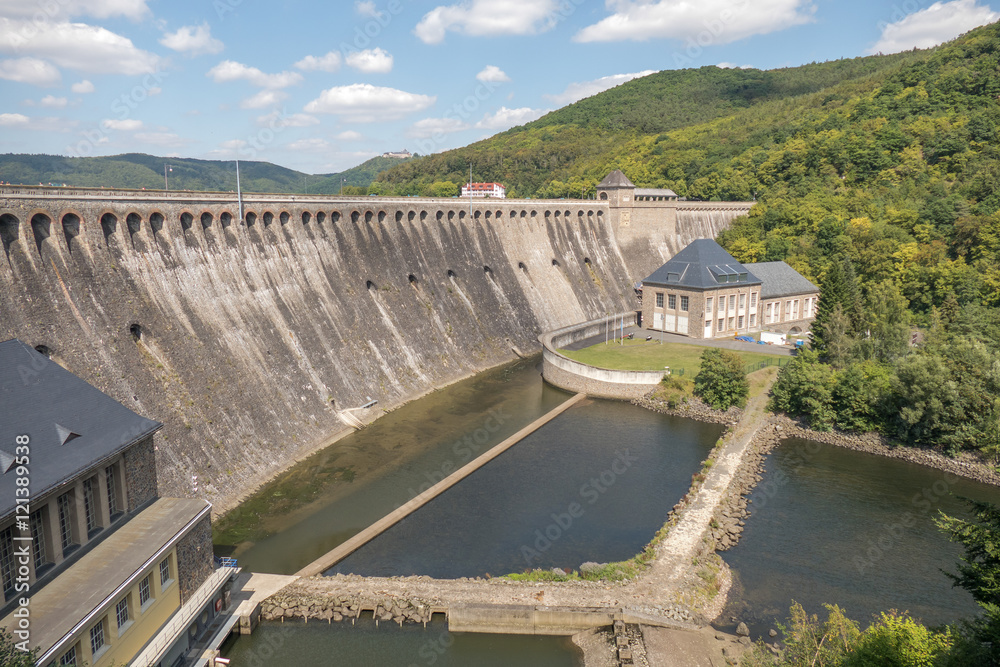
(403, 154)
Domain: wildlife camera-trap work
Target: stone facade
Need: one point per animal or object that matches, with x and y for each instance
(789, 315)
(704, 311)
(140, 474)
(195, 558)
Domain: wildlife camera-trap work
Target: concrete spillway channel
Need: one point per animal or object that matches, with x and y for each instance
(341, 552)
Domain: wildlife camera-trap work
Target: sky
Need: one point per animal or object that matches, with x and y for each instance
(322, 86)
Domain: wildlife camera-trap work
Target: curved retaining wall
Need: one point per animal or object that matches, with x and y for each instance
(565, 373)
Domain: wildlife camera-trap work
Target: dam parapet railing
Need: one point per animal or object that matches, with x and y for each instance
(571, 375)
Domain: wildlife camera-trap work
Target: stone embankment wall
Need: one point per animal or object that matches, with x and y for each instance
(565, 373)
(245, 335)
(336, 608)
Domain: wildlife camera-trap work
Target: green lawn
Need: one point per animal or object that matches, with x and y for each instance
(639, 355)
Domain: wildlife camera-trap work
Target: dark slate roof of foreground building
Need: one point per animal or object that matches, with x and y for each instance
(703, 264)
(71, 424)
(779, 279)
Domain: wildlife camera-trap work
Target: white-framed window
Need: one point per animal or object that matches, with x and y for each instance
(90, 505)
(7, 568)
(743, 300)
(68, 658)
(732, 321)
(164, 572)
(753, 320)
(121, 613)
(768, 314)
(753, 300)
(788, 309)
(684, 303)
(732, 302)
(740, 323)
(708, 305)
(97, 636)
(659, 299)
(672, 301)
(111, 483)
(722, 326)
(145, 587)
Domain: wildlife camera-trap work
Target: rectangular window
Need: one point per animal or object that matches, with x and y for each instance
(708, 305)
(732, 302)
(753, 320)
(740, 323)
(144, 586)
(672, 302)
(743, 300)
(795, 309)
(732, 321)
(721, 324)
(68, 658)
(38, 539)
(753, 300)
(164, 571)
(659, 299)
(121, 612)
(788, 309)
(65, 504)
(97, 637)
(684, 303)
(7, 560)
(89, 505)
(110, 481)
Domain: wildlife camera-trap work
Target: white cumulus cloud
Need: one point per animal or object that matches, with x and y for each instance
(487, 18)
(505, 118)
(29, 70)
(370, 61)
(328, 63)
(707, 21)
(310, 145)
(53, 102)
(126, 125)
(725, 65)
(349, 135)
(366, 8)
(263, 99)
(430, 127)
(62, 9)
(581, 89)
(76, 46)
(492, 74)
(82, 87)
(194, 40)
(365, 103)
(929, 27)
(229, 70)
(13, 119)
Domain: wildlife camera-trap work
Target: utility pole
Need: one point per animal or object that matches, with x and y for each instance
(166, 186)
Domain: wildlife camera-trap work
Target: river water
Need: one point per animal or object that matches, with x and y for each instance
(832, 525)
(828, 525)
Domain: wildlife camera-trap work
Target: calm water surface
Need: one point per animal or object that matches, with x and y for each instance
(831, 525)
(388, 645)
(594, 484)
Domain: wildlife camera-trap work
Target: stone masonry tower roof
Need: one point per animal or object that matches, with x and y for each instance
(615, 179)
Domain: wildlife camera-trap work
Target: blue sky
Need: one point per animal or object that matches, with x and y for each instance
(321, 87)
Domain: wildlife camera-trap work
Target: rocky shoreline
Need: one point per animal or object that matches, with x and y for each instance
(294, 604)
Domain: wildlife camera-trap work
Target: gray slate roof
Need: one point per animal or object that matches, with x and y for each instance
(778, 280)
(70, 424)
(700, 266)
(615, 179)
(655, 192)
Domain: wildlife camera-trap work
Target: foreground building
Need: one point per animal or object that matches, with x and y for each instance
(703, 292)
(96, 568)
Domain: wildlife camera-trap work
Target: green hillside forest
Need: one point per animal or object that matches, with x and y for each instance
(136, 170)
(877, 178)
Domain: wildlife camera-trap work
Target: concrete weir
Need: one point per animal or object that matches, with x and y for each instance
(331, 558)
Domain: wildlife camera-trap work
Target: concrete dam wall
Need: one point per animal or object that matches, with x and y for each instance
(247, 334)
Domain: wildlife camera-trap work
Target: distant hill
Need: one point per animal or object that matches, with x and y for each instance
(138, 170)
(569, 150)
